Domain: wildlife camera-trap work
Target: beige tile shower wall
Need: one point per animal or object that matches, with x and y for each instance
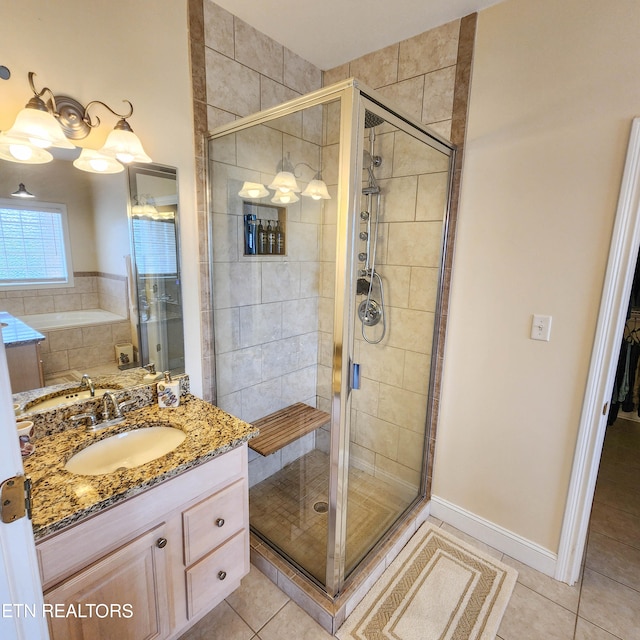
(331, 128)
(266, 307)
(418, 75)
(244, 71)
(389, 412)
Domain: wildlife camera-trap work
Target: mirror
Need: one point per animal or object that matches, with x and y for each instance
(153, 211)
(92, 324)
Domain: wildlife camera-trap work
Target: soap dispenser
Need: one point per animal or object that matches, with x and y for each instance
(151, 375)
(168, 392)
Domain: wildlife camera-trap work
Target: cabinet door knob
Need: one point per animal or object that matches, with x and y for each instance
(220, 522)
(222, 575)
(161, 543)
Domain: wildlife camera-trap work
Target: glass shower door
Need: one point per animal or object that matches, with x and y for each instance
(273, 255)
(354, 278)
(400, 231)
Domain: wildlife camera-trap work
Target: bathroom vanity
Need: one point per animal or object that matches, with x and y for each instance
(142, 552)
(22, 345)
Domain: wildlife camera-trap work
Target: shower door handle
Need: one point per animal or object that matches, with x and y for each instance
(355, 375)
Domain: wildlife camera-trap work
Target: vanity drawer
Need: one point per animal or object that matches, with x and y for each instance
(209, 523)
(213, 578)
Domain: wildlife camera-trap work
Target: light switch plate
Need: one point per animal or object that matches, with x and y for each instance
(541, 327)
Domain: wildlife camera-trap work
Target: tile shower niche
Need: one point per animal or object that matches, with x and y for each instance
(264, 229)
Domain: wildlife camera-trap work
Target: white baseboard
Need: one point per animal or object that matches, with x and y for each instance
(523, 550)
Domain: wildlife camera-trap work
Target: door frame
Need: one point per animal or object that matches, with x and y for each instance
(623, 255)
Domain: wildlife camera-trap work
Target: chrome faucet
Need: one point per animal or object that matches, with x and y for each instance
(107, 398)
(110, 415)
(116, 415)
(88, 382)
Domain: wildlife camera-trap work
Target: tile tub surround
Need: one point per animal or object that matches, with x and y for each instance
(74, 347)
(90, 289)
(60, 498)
(83, 346)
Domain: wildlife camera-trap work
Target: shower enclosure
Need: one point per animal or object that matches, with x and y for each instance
(328, 221)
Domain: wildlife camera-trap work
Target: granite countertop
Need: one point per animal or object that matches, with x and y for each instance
(60, 498)
(126, 385)
(17, 332)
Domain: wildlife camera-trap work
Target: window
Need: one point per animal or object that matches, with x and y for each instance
(34, 245)
(154, 244)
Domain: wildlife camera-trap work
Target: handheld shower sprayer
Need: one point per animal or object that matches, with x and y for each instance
(370, 311)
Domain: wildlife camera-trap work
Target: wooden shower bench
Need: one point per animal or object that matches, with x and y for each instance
(282, 427)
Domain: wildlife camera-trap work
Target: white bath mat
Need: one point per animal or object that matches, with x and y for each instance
(438, 588)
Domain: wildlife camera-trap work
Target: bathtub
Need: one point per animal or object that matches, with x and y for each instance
(67, 319)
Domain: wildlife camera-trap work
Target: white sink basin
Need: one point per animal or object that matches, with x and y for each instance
(125, 450)
(65, 398)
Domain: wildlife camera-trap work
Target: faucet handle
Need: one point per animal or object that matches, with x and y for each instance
(81, 417)
(151, 367)
(126, 403)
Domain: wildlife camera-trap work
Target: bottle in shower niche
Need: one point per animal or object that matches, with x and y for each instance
(279, 239)
(250, 234)
(271, 237)
(262, 237)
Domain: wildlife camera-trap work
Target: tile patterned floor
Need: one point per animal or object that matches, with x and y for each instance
(604, 605)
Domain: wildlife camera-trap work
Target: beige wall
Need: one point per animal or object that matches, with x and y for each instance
(110, 51)
(553, 94)
(55, 182)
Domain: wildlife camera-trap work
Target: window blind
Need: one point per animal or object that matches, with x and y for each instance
(32, 249)
(155, 246)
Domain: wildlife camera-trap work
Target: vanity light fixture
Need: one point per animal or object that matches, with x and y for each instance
(285, 180)
(253, 191)
(21, 192)
(317, 189)
(286, 185)
(96, 162)
(144, 208)
(41, 125)
(284, 198)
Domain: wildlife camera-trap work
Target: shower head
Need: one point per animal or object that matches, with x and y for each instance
(371, 119)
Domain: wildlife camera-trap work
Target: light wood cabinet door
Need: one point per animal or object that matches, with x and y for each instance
(25, 367)
(123, 596)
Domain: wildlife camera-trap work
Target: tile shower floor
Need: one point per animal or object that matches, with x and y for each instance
(290, 509)
(603, 605)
